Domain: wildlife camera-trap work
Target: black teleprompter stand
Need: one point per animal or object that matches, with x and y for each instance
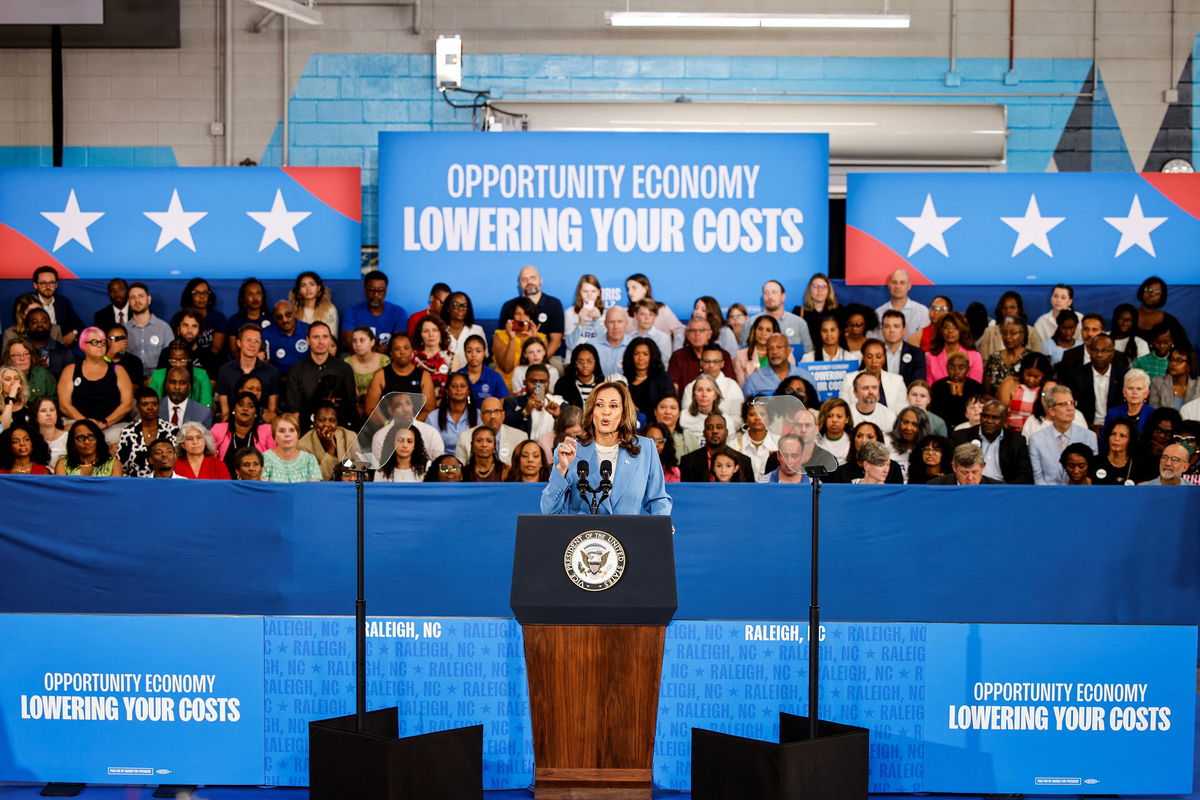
(814, 759)
(360, 756)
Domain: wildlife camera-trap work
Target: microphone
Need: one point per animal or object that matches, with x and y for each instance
(581, 471)
(606, 468)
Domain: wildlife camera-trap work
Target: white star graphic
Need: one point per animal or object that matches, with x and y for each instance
(1032, 228)
(72, 223)
(928, 229)
(1135, 228)
(176, 224)
(279, 223)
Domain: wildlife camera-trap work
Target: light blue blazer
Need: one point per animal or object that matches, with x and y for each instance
(638, 484)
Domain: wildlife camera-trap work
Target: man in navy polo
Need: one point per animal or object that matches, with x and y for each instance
(287, 342)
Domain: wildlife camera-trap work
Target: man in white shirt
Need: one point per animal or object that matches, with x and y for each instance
(712, 361)
(793, 327)
(491, 413)
(535, 409)
(916, 316)
(1046, 446)
(611, 346)
(866, 406)
(162, 459)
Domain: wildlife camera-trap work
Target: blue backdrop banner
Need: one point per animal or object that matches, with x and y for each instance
(1045, 709)
(96, 699)
(936, 553)
(703, 213)
(1022, 228)
(220, 222)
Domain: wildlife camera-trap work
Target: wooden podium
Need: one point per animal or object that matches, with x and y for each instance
(593, 648)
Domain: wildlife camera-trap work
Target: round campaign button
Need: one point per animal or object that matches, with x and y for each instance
(907, 357)
(1101, 473)
(542, 317)
(281, 353)
(1128, 482)
(789, 332)
(504, 452)
(443, 369)
(302, 345)
(78, 380)
(154, 340)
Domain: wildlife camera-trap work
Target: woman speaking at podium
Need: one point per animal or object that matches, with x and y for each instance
(619, 470)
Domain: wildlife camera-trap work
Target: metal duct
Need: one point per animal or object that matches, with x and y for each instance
(862, 136)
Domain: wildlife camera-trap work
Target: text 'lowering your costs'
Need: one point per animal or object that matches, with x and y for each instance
(723, 224)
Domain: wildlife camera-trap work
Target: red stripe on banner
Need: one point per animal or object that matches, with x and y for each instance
(869, 262)
(1182, 189)
(20, 256)
(340, 188)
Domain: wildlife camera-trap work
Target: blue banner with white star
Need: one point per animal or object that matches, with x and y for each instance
(218, 222)
(1019, 228)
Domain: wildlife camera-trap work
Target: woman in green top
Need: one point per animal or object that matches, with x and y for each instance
(365, 362)
(87, 454)
(286, 462)
(179, 355)
(19, 353)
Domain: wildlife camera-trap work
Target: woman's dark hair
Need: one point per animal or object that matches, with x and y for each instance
(39, 452)
(977, 319)
(143, 393)
(435, 467)
(922, 428)
(1162, 298)
(819, 346)
(419, 457)
(514, 474)
(469, 467)
(664, 396)
(852, 455)
(571, 374)
(917, 472)
(1130, 424)
(998, 312)
(443, 412)
(1130, 348)
(1190, 354)
(257, 415)
(788, 386)
(774, 323)
(36, 405)
(185, 298)
(866, 312)
(526, 305)
(469, 320)
(729, 452)
(644, 281)
(246, 284)
(1040, 362)
(244, 379)
(443, 331)
(322, 292)
(966, 339)
(667, 456)
(1075, 449)
(101, 450)
(656, 367)
(243, 452)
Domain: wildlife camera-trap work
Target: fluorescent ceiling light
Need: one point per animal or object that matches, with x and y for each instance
(301, 12)
(705, 19)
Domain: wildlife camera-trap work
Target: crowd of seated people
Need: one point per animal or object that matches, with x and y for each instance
(276, 392)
